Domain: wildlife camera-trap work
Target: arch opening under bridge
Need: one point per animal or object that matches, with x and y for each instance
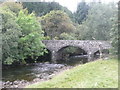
(71, 54)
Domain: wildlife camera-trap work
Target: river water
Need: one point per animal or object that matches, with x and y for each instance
(29, 72)
(20, 76)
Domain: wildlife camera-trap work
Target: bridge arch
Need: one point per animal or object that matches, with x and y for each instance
(104, 52)
(56, 53)
(76, 46)
(69, 51)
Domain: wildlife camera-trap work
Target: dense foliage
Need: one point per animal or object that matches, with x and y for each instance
(25, 25)
(30, 44)
(114, 33)
(11, 32)
(81, 13)
(21, 34)
(98, 22)
(42, 8)
(56, 23)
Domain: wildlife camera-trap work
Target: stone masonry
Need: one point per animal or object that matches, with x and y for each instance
(89, 46)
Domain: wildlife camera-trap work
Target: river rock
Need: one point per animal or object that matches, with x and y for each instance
(23, 81)
(16, 82)
(38, 76)
(16, 86)
(47, 62)
(36, 79)
(3, 83)
(50, 76)
(7, 82)
(11, 83)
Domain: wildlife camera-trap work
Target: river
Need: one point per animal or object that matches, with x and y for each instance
(20, 76)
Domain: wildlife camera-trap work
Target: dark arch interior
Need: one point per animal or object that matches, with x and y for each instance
(45, 58)
(105, 53)
(97, 54)
(72, 55)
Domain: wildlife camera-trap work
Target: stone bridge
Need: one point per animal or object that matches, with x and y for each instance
(89, 46)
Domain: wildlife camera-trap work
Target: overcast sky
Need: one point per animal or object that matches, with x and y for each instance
(72, 4)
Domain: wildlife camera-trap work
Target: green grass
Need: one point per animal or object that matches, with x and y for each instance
(97, 74)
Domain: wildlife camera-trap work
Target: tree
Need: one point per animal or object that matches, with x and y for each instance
(42, 8)
(21, 35)
(114, 33)
(66, 36)
(98, 23)
(10, 36)
(12, 6)
(30, 44)
(56, 23)
(81, 13)
(69, 13)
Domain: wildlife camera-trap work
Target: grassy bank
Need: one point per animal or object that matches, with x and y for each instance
(97, 74)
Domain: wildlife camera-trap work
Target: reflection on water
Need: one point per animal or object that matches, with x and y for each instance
(37, 70)
(74, 60)
(29, 72)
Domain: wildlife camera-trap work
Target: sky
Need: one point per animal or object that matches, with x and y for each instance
(72, 4)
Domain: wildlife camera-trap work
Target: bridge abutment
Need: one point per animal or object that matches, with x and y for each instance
(90, 57)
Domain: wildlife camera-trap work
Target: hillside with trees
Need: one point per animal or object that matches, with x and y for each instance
(26, 24)
(40, 40)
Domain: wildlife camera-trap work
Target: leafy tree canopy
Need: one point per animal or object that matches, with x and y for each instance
(30, 44)
(56, 23)
(98, 23)
(42, 8)
(21, 34)
(81, 13)
(12, 6)
(11, 32)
